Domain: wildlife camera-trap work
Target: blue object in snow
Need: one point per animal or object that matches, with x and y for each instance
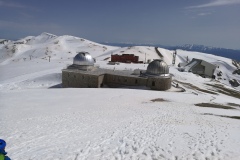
(2, 144)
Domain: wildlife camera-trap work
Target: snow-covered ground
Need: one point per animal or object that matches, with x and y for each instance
(40, 120)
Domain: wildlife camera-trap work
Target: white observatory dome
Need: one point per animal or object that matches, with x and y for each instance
(157, 67)
(83, 59)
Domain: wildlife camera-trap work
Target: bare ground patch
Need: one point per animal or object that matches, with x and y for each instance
(226, 91)
(233, 117)
(234, 104)
(213, 105)
(159, 100)
(191, 86)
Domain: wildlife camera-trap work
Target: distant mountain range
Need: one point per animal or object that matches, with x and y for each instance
(224, 52)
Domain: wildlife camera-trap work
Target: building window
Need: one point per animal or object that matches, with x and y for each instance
(153, 83)
(113, 78)
(125, 80)
(136, 81)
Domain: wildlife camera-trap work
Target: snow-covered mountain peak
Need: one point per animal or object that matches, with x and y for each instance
(47, 34)
(42, 38)
(193, 46)
(48, 45)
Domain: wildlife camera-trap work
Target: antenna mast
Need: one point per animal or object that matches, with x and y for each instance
(174, 57)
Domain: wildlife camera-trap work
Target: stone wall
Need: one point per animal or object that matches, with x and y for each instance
(163, 83)
(64, 79)
(79, 80)
(121, 80)
(85, 80)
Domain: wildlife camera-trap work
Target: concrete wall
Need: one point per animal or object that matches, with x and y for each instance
(198, 69)
(209, 68)
(101, 80)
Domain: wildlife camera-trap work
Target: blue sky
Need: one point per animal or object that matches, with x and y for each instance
(167, 22)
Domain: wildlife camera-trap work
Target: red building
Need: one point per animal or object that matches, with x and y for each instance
(125, 58)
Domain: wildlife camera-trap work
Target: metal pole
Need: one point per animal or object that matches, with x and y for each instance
(145, 57)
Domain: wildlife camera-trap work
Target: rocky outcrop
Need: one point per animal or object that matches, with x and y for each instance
(234, 82)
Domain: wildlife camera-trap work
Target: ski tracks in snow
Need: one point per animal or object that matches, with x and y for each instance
(156, 136)
(145, 136)
(117, 126)
(208, 140)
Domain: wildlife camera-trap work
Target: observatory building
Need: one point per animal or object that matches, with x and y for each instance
(84, 74)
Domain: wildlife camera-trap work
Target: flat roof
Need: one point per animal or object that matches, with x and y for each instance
(101, 71)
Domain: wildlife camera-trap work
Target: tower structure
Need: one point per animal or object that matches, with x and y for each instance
(174, 57)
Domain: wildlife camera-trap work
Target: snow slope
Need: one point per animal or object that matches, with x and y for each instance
(45, 45)
(145, 53)
(40, 120)
(115, 124)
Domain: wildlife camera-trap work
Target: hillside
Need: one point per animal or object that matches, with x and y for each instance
(47, 45)
(41, 120)
(223, 52)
